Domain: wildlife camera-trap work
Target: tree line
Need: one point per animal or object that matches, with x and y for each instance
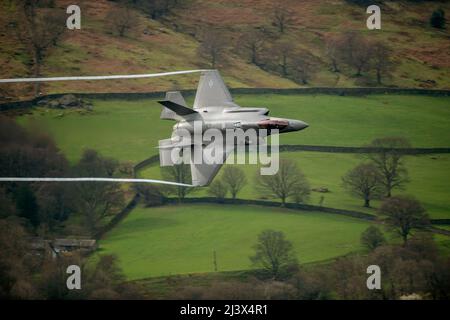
(415, 271)
(46, 207)
(39, 26)
(269, 47)
(278, 54)
(381, 172)
(50, 209)
(24, 275)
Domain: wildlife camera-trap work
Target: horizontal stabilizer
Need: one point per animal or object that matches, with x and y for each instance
(176, 97)
(177, 108)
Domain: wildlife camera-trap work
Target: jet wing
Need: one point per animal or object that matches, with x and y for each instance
(212, 92)
(203, 174)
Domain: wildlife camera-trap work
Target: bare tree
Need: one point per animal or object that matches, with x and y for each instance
(126, 168)
(16, 272)
(403, 215)
(333, 50)
(361, 56)
(104, 279)
(38, 29)
(388, 157)
(26, 204)
(56, 202)
(364, 181)
(28, 153)
(280, 56)
(283, 16)
(152, 195)
(274, 253)
(234, 178)
(301, 67)
(218, 189)
(178, 173)
(97, 200)
(288, 182)
(157, 8)
(123, 20)
(252, 44)
(212, 47)
(356, 52)
(32, 153)
(7, 206)
(381, 59)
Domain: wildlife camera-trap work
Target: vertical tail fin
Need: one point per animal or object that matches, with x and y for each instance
(212, 92)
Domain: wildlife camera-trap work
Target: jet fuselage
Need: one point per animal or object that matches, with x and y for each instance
(238, 118)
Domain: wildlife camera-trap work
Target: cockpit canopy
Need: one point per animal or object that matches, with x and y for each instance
(271, 124)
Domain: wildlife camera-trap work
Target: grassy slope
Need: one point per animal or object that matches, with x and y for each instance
(174, 240)
(420, 52)
(95, 50)
(171, 240)
(120, 129)
(129, 130)
(354, 121)
(429, 175)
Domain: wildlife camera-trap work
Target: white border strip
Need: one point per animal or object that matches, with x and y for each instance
(23, 179)
(130, 76)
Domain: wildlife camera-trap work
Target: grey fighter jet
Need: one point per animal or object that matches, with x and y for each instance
(213, 108)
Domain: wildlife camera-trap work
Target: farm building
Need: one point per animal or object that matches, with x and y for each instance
(63, 246)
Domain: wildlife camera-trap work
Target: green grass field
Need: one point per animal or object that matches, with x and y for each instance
(172, 240)
(177, 240)
(181, 240)
(127, 131)
(355, 121)
(130, 130)
(429, 180)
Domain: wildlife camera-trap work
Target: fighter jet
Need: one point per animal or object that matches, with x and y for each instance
(213, 108)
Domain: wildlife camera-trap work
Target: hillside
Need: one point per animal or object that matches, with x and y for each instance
(184, 241)
(420, 52)
(125, 130)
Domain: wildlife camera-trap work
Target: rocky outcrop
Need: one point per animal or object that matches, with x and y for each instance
(65, 102)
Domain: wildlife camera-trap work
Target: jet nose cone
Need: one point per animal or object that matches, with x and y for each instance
(297, 125)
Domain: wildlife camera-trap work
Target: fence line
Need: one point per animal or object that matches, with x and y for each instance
(301, 206)
(294, 206)
(341, 149)
(119, 217)
(290, 91)
(132, 204)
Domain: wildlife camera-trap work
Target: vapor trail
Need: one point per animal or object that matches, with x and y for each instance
(112, 77)
(85, 179)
